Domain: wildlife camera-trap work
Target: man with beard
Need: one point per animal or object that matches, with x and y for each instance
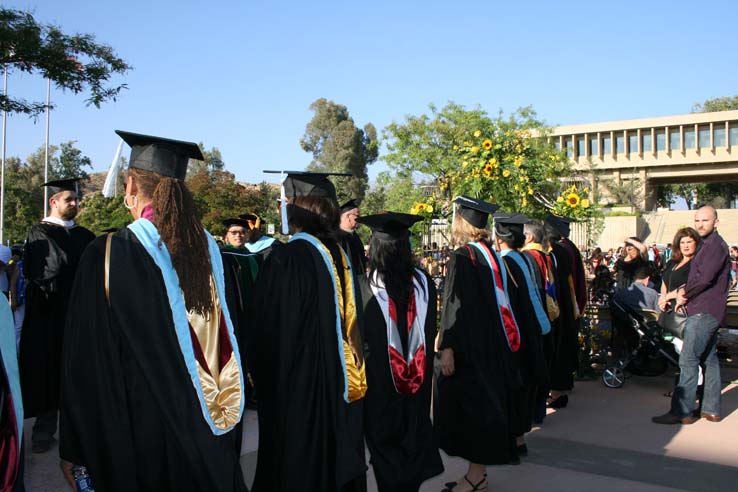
(350, 241)
(53, 250)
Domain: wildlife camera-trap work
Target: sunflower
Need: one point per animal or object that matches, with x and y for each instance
(488, 169)
(559, 199)
(506, 173)
(572, 199)
(487, 144)
(585, 203)
(478, 133)
(475, 149)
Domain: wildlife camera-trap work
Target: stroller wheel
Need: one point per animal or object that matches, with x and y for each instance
(613, 377)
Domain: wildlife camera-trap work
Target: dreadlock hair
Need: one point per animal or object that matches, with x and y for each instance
(182, 233)
(393, 262)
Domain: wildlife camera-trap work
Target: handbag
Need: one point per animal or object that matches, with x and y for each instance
(673, 321)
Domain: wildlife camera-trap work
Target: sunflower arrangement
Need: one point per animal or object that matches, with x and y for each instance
(503, 165)
(422, 208)
(575, 202)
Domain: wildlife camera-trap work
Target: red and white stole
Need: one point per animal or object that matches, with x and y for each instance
(407, 374)
(499, 280)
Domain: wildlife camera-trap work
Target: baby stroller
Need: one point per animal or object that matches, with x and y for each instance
(653, 353)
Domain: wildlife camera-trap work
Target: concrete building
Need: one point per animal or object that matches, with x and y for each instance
(691, 148)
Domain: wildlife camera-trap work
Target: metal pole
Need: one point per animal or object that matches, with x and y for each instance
(2, 173)
(46, 160)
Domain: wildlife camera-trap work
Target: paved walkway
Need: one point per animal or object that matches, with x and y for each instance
(604, 441)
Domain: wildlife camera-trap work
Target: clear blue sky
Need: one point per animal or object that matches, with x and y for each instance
(240, 75)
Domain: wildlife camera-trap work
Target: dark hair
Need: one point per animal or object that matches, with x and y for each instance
(318, 216)
(514, 240)
(642, 272)
(602, 279)
(393, 262)
(182, 233)
(676, 253)
(550, 234)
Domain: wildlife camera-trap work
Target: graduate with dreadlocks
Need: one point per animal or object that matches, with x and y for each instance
(399, 329)
(152, 383)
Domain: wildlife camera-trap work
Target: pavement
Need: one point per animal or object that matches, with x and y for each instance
(603, 440)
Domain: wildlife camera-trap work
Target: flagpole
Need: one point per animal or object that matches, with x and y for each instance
(2, 173)
(46, 161)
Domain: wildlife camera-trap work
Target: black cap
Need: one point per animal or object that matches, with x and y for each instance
(60, 185)
(233, 221)
(509, 224)
(160, 155)
(560, 223)
(349, 205)
(309, 183)
(476, 212)
(390, 224)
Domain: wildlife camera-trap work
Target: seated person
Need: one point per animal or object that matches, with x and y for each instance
(639, 296)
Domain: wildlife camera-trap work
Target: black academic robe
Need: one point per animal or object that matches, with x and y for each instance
(129, 410)
(310, 439)
(399, 433)
(473, 411)
(564, 329)
(529, 359)
(354, 248)
(51, 256)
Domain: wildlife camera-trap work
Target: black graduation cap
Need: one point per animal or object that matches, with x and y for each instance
(305, 183)
(390, 224)
(249, 218)
(60, 185)
(508, 224)
(234, 221)
(476, 212)
(309, 183)
(560, 223)
(349, 205)
(160, 155)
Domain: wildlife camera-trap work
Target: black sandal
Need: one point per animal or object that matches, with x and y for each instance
(475, 487)
(451, 485)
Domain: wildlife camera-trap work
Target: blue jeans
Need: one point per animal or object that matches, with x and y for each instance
(700, 346)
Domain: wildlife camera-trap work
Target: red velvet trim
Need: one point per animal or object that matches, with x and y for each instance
(226, 349)
(199, 356)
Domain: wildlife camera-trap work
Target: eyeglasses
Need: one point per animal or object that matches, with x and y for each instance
(237, 233)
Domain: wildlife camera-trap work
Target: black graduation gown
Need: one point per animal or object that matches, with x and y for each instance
(472, 414)
(310, 439)
(564, 328)
(529, 359)
(354, 248)
(399, 433)
(129, 410)
(51, 257)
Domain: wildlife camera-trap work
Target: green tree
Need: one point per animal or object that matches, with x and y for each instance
(218, 196)
(725, 103)
(24, 199)
(213, 161)
(73, 62)
(425, 143)
(338, 145)
(505, 159)
(71, 163)
(98, 213)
